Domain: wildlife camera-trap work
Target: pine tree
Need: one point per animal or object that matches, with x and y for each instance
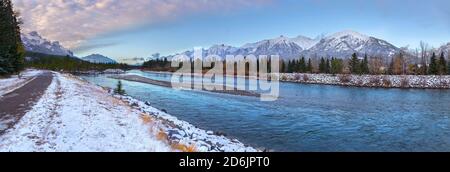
(309, 68)
(11, 48)
(336, 66)
(448, 67)
(302, 65)
(322, 66)
(355, 67)
(119, 89)
(433, 69)
(365, 65)
(442, 65)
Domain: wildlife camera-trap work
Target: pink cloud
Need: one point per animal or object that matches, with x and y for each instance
(72, 22)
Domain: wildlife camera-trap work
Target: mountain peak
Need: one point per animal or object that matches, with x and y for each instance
(349, 33)
(98, 58)
(340, 45)
(34, 42)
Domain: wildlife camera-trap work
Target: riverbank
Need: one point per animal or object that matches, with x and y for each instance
(225, 90)
(381, 81)
(376, 81)
(74, 115)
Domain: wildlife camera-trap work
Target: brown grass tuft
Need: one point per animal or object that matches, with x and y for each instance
(184, 148)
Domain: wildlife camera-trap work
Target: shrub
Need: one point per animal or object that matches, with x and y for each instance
(305, 78)
(404, 82)
(345, 78)
(386, 82)
(119, 89)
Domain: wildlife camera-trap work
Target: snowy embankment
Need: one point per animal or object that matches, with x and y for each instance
(74, 115)
(385, 81)
(12, 83)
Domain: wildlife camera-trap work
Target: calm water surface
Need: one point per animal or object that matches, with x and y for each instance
(311, 117)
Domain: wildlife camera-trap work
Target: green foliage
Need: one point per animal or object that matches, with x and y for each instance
(442, 65)
(448, 67)
(11, 48)
(337, 66)
(322, 66)
(158, 65)
(354, 64)
(119, 89)
(66, 63)
(309, 68)
(433, 69)
(365, 65)
(302, 65)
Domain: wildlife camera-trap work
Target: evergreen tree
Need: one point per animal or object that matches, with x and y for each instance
(336, 66)
(322, 66)
(119, 89)
(433, 69)
(290, 67)
(442, 65)
(302, 65)
(328, 66)
(309, 68)
(448, 67)
(354, 64)
(11, 48)
(365, 65)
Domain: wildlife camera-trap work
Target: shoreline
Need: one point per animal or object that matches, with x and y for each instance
(372, 81)
(140, 79)
(178, 133)
(364, 81)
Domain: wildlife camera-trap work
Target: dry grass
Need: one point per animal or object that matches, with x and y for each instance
(146, 119)
(184, 148)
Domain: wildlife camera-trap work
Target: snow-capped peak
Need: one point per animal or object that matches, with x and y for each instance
(349, 34)
(341, 45)
(344, 44)
(97, 58)
(305, 42)
(34, 42)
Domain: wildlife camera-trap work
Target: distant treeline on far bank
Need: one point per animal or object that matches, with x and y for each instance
(400, 64)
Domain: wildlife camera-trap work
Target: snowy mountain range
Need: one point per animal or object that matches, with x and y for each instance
(341, 45)
(444, 49)
(34, 42)
(97, 58)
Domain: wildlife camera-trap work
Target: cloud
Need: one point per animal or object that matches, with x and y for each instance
(90, 46)
(72, 22)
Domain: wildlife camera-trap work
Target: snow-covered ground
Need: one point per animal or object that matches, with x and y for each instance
(14, 82)
(74, 115)
(386, 81)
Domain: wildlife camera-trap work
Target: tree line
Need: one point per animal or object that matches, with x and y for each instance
(11, 49)
(67, 63)
(400, 64)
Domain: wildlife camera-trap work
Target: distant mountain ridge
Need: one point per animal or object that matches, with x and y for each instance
(34, 42)
(444, 49)
(98, 58)
(340, 45)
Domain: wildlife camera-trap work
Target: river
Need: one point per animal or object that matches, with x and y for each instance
(310, 117)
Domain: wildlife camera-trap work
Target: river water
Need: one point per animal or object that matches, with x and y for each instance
(310, 117)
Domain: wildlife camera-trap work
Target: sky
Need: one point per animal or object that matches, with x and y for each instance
(123, 29)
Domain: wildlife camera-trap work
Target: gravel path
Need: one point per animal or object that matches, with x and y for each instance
(14, 105)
